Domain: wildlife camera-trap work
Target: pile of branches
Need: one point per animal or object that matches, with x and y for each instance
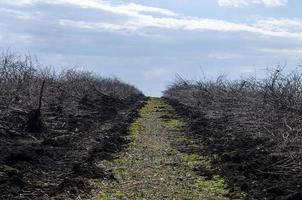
(54, 127)
(251, 128)
(27, 90)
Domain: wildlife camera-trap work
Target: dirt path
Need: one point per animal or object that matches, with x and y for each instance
(151, 168)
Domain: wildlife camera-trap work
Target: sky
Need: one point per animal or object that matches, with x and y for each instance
(148, 43)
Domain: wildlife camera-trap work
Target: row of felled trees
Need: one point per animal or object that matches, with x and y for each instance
(28, 90)
(55, 127)
(254, 124)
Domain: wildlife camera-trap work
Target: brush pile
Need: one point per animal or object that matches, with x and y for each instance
(55, 128)
(252, 130)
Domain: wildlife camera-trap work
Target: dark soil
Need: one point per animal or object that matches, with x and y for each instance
(247, 162)
(55, 155)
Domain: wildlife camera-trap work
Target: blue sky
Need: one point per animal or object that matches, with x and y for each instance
(148, 42)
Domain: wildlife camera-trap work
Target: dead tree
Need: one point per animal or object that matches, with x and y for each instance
(35, 123)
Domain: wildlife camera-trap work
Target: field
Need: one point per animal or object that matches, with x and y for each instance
(75, 135)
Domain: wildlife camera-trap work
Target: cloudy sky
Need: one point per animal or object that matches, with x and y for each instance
(148, 42)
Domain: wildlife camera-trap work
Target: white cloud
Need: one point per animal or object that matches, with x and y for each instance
(102, 26)
(272, 24)
(140, 17)
(17, 2)
(131, 9)
(137, 8)
(18, 14)
(264, 27)
(238, 3)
